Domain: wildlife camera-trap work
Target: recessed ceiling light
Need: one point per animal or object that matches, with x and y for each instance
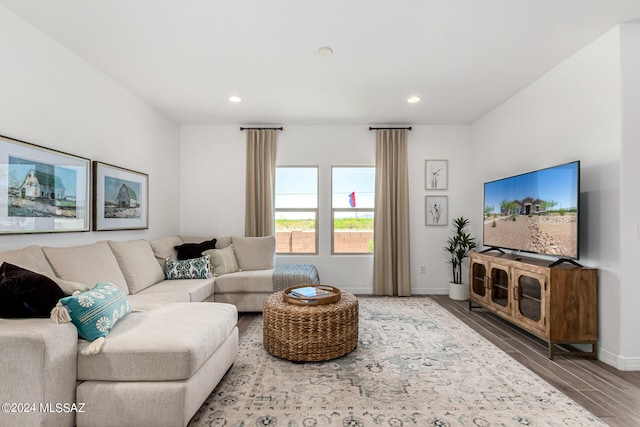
(325, 51)
(413, 99)
(234, 99)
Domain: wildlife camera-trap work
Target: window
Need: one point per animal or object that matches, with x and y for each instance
(296, 210)
(352, 202)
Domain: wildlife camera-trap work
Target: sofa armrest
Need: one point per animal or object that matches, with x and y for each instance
(39, 360)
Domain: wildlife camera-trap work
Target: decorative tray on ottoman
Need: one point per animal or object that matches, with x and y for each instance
(311, 295)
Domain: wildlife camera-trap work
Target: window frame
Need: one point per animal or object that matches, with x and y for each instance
(316, 210)
(334, 210)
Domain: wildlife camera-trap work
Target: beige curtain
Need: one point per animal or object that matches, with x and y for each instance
(391, 267)
(260, 181)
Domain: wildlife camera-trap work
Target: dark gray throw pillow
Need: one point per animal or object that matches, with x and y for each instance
(24, 293)
(194, 250)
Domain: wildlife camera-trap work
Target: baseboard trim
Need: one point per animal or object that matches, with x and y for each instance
(631, 364)
(619, 362)
(416, 292)
(357, 291)
(427, 292)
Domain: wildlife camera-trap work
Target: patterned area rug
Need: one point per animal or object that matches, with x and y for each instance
(415, 365)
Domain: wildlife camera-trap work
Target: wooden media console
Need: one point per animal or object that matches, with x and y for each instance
(557, 304)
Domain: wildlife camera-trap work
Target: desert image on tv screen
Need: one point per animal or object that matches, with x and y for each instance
(534, 212)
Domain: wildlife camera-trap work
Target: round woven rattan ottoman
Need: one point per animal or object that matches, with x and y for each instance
(310, 333)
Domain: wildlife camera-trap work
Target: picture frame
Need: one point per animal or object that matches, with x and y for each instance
(436, 174)
(120, 198)
(42, 190)
(436, 210)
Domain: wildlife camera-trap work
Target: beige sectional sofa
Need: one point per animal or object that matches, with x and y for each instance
(158, 364)
(246, 289)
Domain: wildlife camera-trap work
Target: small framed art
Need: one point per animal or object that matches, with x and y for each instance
(42, 190)
(120, 198)
(436, 174)
(436, 210)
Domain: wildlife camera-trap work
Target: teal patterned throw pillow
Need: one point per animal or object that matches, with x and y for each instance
(95, 311)
(195, 268)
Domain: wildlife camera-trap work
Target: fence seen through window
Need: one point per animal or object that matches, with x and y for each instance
(296, 209)
(352, 203)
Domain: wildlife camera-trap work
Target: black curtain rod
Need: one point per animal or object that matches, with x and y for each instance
(409, 128)
(280, 128)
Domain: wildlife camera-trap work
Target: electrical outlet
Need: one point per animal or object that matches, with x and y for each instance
(423, 269)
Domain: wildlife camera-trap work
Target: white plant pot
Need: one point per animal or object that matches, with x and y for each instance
(459, 292)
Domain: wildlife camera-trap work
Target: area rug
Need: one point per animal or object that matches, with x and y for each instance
(415, 365)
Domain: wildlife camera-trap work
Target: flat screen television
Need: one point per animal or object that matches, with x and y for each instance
(535, 212)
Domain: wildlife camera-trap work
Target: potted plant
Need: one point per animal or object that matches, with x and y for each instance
(459, 245)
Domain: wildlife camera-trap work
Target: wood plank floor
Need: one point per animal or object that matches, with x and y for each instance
(610, 394)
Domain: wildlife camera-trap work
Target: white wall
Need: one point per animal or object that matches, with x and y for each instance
(451, 143)
(630, 206)
(571, 113)
(52, 98)
(219, 153)
(212, 180)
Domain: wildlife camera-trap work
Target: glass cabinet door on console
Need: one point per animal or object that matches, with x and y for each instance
(499, 287)
(529, 298)
(479, 282)
(489, 284)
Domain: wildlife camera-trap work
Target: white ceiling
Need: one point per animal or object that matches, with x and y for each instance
(463, 57)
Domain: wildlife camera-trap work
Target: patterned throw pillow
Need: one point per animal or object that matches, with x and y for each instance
(223, 261)
(95, 311)
(195, 268)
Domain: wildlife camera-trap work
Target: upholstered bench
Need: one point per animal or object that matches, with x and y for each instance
(288, 275)
(157, 367)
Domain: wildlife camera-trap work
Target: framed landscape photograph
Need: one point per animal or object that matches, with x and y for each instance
(436, 174)
(120, 198)
(436, 210)
(42, 190)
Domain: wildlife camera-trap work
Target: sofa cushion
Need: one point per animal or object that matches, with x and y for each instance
(223, 261)
(195, 268)
(164, 248)
(68, 287)
(96, 311)
(170, 343)
(255, 253)
(151, 301)
(198, 290)
(138, 264)
(245, 282)
(88, 264)
(32, 258)
(223, 242)
(194, 239)
(194, 250)
(24, 293)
